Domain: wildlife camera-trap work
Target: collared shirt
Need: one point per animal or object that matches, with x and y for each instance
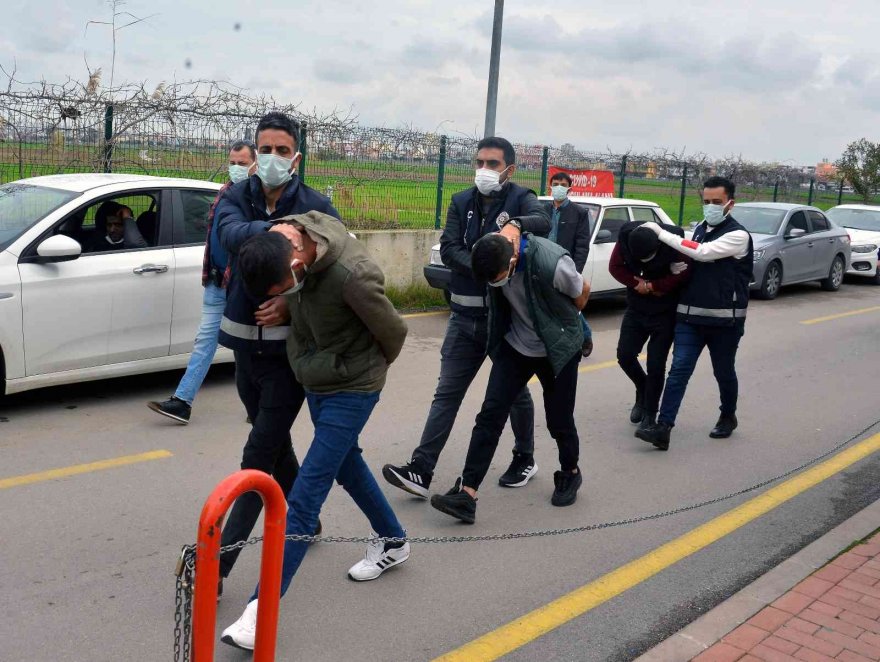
(554, 220)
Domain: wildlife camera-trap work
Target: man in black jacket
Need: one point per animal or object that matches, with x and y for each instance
(255, 330)
(570, 228)
(654, 275)
(493, 203)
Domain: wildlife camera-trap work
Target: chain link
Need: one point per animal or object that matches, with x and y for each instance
(183, 604)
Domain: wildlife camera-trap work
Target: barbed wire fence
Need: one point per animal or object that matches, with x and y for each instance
(378, 178)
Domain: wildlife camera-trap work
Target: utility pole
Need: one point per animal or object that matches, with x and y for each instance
(494, 64)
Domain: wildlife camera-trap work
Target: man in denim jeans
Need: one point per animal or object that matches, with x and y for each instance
(344, 333)
(242, 162)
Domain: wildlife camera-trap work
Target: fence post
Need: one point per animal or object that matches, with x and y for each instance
(622, 176)
(545, 161)
(810, 196)
(684, 178)
(107, 158)
(304, 150)
(840, 193)
(441, 173)
(775, 189)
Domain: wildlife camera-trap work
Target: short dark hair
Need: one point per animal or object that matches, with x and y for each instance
(715, 182)
(561, 175)
(642, 242)
(239, 145)
(280, 121)
(494, 142)
(490, 256)
(263, 262)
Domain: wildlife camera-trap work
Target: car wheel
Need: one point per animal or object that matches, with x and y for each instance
(772, 281)
(835, 275)
(876, 278)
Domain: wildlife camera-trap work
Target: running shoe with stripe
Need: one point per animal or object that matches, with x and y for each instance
(520, 471)
(378, 558)
(409, 478)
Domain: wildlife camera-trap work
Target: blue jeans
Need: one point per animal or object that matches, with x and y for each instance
(205, 346)
(588, 332)
(690, 339)
(462, 354)
(334, 454)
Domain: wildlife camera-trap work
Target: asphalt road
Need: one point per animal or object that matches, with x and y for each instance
(86, 561)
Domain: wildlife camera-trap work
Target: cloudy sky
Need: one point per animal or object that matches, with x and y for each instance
(778, 80)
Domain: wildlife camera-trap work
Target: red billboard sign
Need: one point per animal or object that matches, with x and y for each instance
(598, 183)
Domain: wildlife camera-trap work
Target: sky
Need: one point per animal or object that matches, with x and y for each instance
(788, 81)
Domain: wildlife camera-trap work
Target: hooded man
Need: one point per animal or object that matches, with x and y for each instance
(344, 334)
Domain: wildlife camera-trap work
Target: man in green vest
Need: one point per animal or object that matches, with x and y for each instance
(535, 297)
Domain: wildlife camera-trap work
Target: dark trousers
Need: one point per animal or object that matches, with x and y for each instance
(462, 354)
(690, 339)
(272, 398)
(636, 329)
(511, 372)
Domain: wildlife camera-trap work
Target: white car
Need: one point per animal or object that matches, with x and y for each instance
(863, 224)
(69, 316)
(607, 216)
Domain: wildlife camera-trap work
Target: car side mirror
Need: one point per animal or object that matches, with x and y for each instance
(603, 237)
(58, 248)
(794, 233)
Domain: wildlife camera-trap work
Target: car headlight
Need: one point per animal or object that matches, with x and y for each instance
(759, 255)
(864, 248)
(436, 260)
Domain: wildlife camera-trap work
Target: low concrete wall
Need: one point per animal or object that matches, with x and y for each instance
(401, 254)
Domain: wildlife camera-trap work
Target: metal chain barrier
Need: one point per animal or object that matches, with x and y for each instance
(186, 563)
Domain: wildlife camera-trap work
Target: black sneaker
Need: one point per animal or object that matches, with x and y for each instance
(649, 420)
(456, 502)
(567, 485)
(520, 471)
(173, 408)
(724, 427)
(409, 478)
(637, 413)
(658, 435)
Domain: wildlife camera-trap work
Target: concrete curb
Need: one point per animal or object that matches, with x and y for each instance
(712, 626)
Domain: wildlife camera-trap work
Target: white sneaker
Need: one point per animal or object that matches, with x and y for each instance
(377, 560)
(243, 632)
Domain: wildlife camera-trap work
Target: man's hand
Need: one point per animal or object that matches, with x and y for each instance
(293, 235)
(653, 227)
(273, 312)
(678, 267)
(642, 286)
(513, 235)
(581, 301)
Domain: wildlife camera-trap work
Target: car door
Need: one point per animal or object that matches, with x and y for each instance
(191, 207)
(612, 219)
(797, 252)
(824, 243)
(104, 306)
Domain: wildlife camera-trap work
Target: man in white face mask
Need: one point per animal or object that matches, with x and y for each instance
(257, 330)
(242, 164)
(493, 202)
(711, 311)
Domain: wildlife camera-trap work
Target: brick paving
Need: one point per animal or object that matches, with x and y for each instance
(832, 615)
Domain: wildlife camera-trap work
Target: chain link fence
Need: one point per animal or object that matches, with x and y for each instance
(378, 178)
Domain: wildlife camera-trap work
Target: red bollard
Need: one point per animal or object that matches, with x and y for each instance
(208, 562)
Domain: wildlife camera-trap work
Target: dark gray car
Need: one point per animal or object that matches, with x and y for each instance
(793, 244)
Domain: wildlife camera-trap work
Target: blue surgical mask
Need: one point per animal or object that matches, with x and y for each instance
(714, 214)
(504, 281)
(238, 173)
(274, 170)
(297, 283)
(559, 192)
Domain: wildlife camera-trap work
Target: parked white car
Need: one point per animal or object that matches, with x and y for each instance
(862, 222)
(607, 216)
(69, 316)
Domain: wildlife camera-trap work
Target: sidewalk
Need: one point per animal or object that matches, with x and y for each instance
(796, 612)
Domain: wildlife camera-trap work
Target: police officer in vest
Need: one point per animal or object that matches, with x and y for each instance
(712, 309)
(493, 202)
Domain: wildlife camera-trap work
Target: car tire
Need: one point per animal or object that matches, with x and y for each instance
(835, 275)
(772, 281)
(876, 278)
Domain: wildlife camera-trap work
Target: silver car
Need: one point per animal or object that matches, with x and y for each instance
(793, 244)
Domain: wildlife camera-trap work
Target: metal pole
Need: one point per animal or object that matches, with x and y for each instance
(810, 196)
(684, 178)
(775, 190)
(494, 64)
(622, 176)
(108, 138)
(840, 193)
(545, 161)
(441, 173)
(304, 150)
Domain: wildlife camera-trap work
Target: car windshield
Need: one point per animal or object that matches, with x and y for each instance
(760, 220)
(856, 219)
(22, 205)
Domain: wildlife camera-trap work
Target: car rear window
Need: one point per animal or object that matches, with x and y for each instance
(22, 205)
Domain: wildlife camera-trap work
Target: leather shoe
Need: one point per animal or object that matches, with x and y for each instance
(724, 427)
(658, 435)
(587, 347)
(637, 413)
(648, 421)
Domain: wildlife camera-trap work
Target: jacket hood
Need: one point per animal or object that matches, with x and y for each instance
(328, 232)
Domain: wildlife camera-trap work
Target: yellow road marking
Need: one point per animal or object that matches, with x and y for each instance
(430, 313)
(593, 367)
(64, 472)
(828, 318)
(539, 622)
